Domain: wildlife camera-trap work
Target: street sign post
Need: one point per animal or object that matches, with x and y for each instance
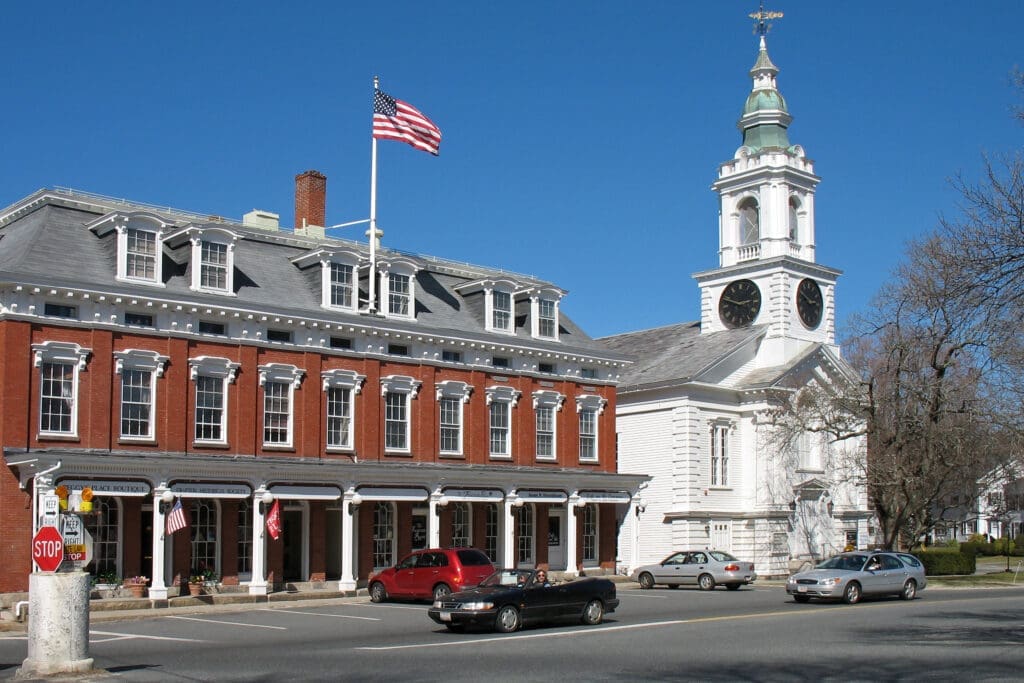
(51, 510)
(77, 541)
(48, 549)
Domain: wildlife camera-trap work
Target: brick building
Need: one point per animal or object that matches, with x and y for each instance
(155, 356)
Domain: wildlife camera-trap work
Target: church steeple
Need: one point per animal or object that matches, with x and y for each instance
(765, 116)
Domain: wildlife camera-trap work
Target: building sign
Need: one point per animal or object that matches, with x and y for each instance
(211, 490)
(542, 496)
(306, 492)
(378, 493)
(604, 497)
(476, 495)
(109, 488)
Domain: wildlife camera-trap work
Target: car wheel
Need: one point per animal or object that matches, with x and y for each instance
(707, 582)
(593, 613)
(851, 596)
(733, 586)
(378, 593)
(441, 591)
(909, 590)
(508, 619)
(802, 598)
(646, 581)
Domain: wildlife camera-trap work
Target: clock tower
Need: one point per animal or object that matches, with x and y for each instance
(767, 276)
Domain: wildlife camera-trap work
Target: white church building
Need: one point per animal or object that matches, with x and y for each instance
(693, 409)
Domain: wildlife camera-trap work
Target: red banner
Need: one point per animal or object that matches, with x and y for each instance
(274, 520)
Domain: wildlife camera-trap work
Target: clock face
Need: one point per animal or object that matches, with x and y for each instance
(809, 302)
(740, 303)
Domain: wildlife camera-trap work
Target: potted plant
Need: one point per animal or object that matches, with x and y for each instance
(137, 585)
(195, 584)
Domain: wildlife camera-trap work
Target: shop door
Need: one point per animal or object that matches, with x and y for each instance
(146, 542)
(556, 539)
(291, 532)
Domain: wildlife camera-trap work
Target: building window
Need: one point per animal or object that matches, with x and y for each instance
(279, 383)
(341, 387)
(809, 452)
(588, 373)
(60, 311)
(589, 532)
(211, 376)
(203, 528)
(547, 318)
(451, 356)
(341, 343)
(461, 532)
(342, 289)
(750, 230)
(524, 535)
(104, 526)
(398, 390)
(139, 370)
(589, 408)
(59, 364)
(398, 294)
(451, 396)
(500, 401)
(545, 406)
(491, 531)
(140, 254)
(206, 327)
(213, 266)
(244, 534)
(501, 311)
(383, 535)
(398, 349)
(138, 319)
(794, 219)
(500, 362)
(719, 455)
(547, 368)
(279, 336)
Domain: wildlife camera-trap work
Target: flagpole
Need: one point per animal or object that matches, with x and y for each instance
(371, 305)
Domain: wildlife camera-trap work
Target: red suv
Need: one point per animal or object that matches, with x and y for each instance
(431, 574)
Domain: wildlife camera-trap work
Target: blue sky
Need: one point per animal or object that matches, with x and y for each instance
(580, 138)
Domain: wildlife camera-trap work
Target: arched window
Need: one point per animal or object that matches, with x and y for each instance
(204, 538)
(794, 206)
(383, 535)
(750, 223)
(105, 527)
(524, 529)
(460, 525)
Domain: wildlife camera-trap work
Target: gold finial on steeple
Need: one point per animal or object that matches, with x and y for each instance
(761, 18)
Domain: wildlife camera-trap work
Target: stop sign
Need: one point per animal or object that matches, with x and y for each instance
(48, 548)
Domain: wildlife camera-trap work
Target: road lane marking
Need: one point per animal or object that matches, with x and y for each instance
(606, 629)
(231, 623)
(140, 636)
(319, 614)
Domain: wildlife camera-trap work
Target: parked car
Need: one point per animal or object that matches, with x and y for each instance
(853, 575)
(705, 568)
(430, 574)
(509, 599)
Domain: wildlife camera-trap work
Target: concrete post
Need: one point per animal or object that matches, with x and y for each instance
(58, 625)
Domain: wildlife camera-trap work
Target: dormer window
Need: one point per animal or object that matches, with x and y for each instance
(213, 266)
(212, 258)
(546, 318)
(339, 276)
(501, 311)
(398, 289)
(342, 288)
(140, 238)
(544, 312)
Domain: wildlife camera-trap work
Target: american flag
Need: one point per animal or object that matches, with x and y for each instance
(396, 120)
(176, 520)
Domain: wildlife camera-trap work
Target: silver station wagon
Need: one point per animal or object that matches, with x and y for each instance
(704, 568)
(851, 576)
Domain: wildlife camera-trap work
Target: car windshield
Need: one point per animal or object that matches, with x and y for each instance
(508, 577)
(722, 557)
(852, 563)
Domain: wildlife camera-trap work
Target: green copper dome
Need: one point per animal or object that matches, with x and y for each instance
(761, 100)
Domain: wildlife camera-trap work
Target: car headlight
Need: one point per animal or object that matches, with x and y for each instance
(792, 579)
(831, 582)
(476, 606)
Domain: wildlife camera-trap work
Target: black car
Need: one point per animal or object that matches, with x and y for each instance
(508, 599)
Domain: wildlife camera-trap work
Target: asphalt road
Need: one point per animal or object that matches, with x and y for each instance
(755, 634)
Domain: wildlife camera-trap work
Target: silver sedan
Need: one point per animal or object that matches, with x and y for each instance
(851, 576)
(705, 568)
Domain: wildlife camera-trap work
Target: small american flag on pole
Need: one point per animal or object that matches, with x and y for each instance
(176, 520)
(397, 120)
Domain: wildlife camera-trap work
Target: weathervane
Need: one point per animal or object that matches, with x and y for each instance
(761, 17)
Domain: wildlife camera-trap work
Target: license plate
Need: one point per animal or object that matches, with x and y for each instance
(446, 616)
(801, 589)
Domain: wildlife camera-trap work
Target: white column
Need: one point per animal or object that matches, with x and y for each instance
(572, 509)
(258, 580)
(435, 504)
(636, 507)
(508, 527)
(158, 585)
(348, 540)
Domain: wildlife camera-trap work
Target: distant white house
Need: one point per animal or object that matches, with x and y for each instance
(692, 409)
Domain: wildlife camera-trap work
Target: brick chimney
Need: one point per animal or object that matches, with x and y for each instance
(310, 199)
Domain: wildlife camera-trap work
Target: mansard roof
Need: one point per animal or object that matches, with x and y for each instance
(45, 241)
